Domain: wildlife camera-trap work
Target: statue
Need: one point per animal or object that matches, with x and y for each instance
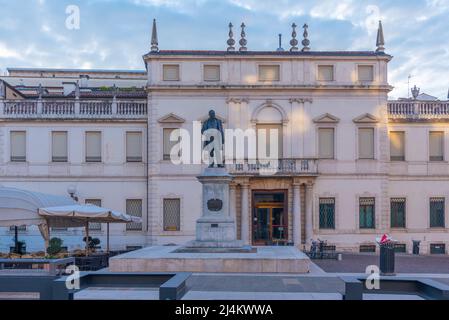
(214, 124)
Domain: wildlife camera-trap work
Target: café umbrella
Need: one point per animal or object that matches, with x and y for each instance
(81, 215)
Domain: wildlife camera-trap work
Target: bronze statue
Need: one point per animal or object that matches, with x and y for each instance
(213, 123)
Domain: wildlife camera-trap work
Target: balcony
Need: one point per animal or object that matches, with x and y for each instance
(73, 109)
(282, 167)
(412, 110)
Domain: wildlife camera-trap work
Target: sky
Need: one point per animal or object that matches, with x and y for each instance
(114, 34)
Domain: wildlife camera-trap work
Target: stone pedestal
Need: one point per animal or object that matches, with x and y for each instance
(216, 227)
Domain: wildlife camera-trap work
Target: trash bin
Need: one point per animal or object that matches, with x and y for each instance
(416, 246)
(387, 256)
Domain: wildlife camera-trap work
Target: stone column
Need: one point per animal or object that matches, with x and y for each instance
(245, 214)
(309, 212)
(297, 214)
(232, 204)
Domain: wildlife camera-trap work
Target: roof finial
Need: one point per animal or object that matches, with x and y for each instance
(306, 41)
(231, 41)
(40, 91)
(243, 42)
(154, 39)
(380, 42)
(294, 41)
(77, 90)
(280, 43)
(2, 90)
(415, 92)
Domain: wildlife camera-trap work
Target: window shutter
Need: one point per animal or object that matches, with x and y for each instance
(326, 143)
(366, 143)
(211, 73)
(325, 73)
(171, 72)
(366, 73)
(268, 128)
(134, 208)
(18, 146)
(397, 146)
(93, 146)
(436, 146)
(168, 145)
(59, 146)
(269, 73)
(134, 147)
(172, 214)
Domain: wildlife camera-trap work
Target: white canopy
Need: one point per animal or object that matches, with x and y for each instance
(20, 207)
(78, 215)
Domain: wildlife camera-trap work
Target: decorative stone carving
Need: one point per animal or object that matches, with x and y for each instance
(231, 41)
(300, 100)
(243, 42)
(294, 41)
(306, 41)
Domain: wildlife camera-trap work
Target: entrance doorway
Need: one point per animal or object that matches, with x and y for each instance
(270, 219)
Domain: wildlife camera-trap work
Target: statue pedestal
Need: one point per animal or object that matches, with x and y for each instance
(216, 227)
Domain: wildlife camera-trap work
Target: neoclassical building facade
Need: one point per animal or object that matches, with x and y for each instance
(352, 165)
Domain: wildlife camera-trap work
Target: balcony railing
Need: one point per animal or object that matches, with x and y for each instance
(279, 167)
(418, 110)
(73, 109)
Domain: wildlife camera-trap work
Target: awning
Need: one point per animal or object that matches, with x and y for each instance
(20, 207)
(78, 215)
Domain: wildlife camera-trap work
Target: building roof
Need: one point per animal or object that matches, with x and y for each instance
(143, 72)
(269, 53)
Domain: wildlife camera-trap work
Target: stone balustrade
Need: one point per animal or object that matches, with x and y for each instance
(418, 110)
(279, 167)
(73, 108)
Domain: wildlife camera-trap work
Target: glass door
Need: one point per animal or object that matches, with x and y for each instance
(269, 225)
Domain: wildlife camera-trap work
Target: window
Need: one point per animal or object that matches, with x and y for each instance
(436, 146)
(397, 146)
(168, 145)
(134, 147)
(18, 146)
(366, 73)
(171, 72)
(269, 73)
(325, 73)
(367, 213)
(93, 146)
(19, 228)
(267, 130)
(211, 73)
(397, 212)
(134, 208)
(437, 248)
(94, 226)
(59, 146)
(437, 213)
(326, 143)
(327, 213)
(367, 248)
(400, 248)
(366, 143)
(172, 214)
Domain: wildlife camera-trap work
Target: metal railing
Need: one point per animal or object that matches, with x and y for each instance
(73, 108)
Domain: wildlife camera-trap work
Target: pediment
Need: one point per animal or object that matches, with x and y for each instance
(326, 118)
(366, 118)
(171, 118)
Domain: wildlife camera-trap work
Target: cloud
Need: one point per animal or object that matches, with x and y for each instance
(115, 33)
